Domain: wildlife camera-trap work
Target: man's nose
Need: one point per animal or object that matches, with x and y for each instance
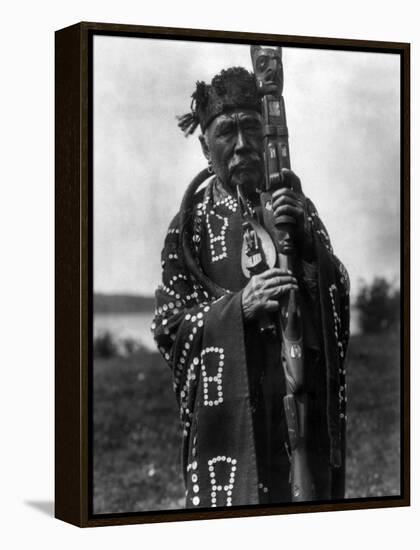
(241, 142)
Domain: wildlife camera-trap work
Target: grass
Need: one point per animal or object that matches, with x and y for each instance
(373, 428)
(137, 437)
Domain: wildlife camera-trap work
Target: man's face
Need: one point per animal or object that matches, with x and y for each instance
(233, 142)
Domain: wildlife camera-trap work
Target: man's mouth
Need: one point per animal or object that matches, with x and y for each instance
(245, 165)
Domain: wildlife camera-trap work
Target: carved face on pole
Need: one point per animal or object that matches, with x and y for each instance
(268, 69)
(285, 238)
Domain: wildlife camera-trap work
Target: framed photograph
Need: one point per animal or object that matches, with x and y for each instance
(232, 274)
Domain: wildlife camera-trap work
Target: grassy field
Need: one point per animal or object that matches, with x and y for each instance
(137, 434)
(373, 428)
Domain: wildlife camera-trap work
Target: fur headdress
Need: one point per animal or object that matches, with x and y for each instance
(230, 89)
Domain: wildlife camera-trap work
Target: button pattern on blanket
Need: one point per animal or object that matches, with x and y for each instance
(222, 471)
(212, 363)
(216, 228)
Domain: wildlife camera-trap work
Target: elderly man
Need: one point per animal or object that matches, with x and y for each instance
(227, 375)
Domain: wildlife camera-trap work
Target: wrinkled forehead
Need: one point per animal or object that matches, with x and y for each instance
(236, 115)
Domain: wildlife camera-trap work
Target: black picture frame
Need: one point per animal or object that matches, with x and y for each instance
(73, 272)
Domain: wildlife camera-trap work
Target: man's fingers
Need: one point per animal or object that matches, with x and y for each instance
(269, 293)
(291, 180)
(288, 210)
(279, 281)
(275, 292)
(285, 199)
(285, 288)
(284, 192)
(274, 272)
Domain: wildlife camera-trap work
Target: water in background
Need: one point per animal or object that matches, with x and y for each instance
(137, 326)
(126, 325)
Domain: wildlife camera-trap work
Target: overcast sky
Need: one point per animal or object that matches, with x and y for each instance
(343, 118)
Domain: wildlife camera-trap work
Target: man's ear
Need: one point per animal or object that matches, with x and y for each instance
(204, 146)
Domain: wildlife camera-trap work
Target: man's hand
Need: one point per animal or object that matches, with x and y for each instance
(290, 201)
(261, 293)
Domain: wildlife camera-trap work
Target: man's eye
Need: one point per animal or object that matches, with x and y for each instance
(252, 126)
(224, 131)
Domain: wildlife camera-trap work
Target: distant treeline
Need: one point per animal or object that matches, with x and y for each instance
(379, 305)
(122, 303)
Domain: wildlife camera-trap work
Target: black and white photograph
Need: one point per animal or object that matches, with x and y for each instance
(209, 307)
(246, 275)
